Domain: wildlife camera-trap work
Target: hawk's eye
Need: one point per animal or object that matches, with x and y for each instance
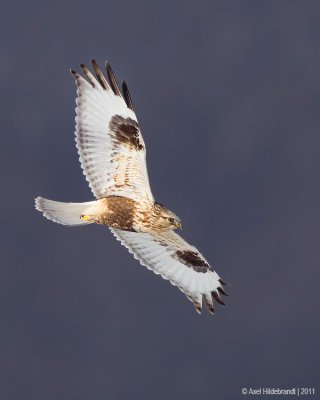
(171, 220)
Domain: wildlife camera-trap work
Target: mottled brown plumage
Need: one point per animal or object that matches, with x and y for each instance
(117, 212)
(129, 215)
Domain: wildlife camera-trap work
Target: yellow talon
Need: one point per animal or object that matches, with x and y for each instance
(85, 217)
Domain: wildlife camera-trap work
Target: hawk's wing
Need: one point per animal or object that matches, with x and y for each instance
(174, 259)
(110, 145)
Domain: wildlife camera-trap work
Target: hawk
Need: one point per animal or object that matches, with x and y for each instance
(112, 154)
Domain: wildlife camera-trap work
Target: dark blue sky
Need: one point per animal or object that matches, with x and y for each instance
(227, 96)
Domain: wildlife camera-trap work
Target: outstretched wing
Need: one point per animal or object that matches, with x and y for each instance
(110, 145)
(174, 259)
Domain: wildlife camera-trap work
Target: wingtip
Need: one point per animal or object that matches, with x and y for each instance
(217, 298)
(126, 95)
(221, 290)
(94, 63)
(85, 70)
(73, 72)
(210, 308)
(223, 283)
(112, 80)
(109, 70)
(198, 307)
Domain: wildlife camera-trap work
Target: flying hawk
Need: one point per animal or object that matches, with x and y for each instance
(112, 154)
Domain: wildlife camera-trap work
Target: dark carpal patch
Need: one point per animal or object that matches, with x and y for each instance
(193, 260)
(126, 131)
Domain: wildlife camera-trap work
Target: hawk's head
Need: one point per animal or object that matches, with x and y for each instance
(164, 219)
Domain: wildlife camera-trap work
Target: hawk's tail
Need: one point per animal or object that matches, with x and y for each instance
(63, 213)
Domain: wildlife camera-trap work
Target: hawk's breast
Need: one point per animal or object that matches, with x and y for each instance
(121, 213)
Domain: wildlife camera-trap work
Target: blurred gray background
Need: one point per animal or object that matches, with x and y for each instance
(227, 95)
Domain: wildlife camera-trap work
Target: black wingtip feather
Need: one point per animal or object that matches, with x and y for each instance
(126, 95)
(209, 305)
(88, 75)
(102, 80)
(217, 298)
(223, 283)
(220, 289)
(112, 80)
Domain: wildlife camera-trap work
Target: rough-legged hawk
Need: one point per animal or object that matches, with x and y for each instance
(113, 158)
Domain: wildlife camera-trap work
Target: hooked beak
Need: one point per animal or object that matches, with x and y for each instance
(178, 224)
